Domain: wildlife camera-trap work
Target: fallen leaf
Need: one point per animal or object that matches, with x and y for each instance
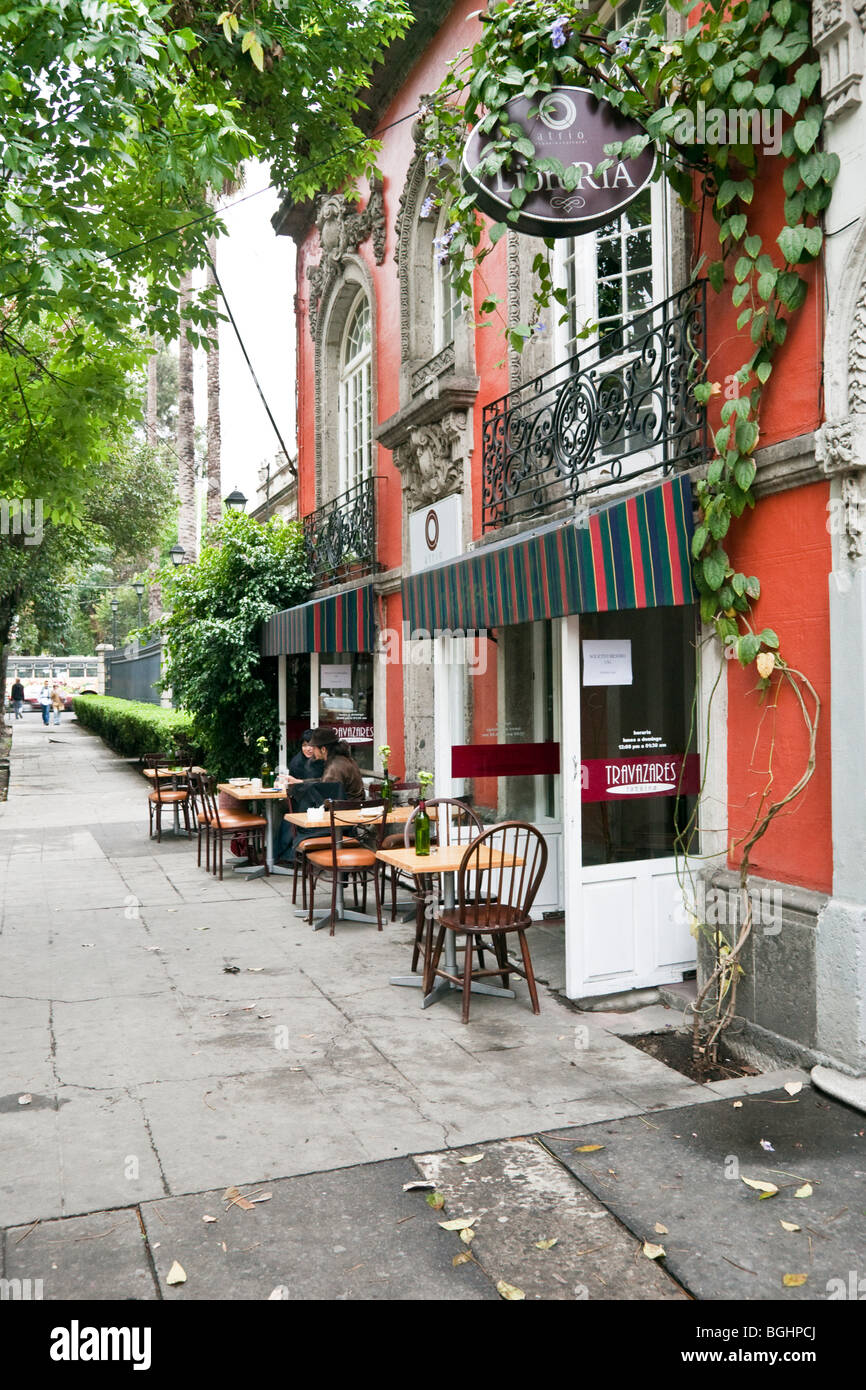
(738, 1105)
(462, 1258)
(277, 1293)
(255, 969)
(660, 1229)
(467, 1235)
(176, 1274)
(209, 1218)
(768, 1188)
(794, 1281)
(234, 1198)
(436, 1200)
(509, 1291)
(231, 970)
(546, 1244)
(588, 1148)
(804, 1191)
(792, 1087)
(264, 1197)
(653, 1252)
(767, 1146)
(788, 1226)
(418, 1184)
(473, 1158)
(459, 1223)
(25, 1099)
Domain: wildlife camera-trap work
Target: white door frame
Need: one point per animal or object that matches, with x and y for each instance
(570, 792)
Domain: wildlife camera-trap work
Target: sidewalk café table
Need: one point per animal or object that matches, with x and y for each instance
(271, 796)
(446, 861)
(363, 815)
(171, 774)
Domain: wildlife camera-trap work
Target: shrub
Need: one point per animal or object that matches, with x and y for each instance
(132, 727)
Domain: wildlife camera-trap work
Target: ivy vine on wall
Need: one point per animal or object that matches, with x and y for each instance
(747, 65)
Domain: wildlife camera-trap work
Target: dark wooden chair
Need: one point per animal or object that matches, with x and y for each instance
(352, 863)
(481, 913)
(222, 823)
(163, 794)
(451, 822)
(302, 849)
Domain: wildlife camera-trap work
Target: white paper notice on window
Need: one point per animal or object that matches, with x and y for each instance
(337, 677)
(607, 663)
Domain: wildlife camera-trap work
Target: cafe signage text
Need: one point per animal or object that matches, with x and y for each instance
(612, 779)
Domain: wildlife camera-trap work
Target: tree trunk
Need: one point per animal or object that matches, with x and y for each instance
(187, 529)
(154, 592)
(214, 479)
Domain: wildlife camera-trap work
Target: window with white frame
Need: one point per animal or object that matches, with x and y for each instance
(355, 399)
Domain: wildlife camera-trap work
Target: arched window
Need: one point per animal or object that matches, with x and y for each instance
(446, 300)
(355, 400)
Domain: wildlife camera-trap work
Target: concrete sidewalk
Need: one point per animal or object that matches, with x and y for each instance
(154, 1075)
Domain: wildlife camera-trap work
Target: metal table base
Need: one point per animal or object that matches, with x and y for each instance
(442, 987)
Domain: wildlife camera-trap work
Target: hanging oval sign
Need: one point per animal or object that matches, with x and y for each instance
(573, 126)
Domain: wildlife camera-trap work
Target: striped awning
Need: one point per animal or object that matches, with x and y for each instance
(631, 554)
(338, 623)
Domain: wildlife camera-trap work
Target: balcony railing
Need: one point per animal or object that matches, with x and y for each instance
(340, 537)
(622, 407)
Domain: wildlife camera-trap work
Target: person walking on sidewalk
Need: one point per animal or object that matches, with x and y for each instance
(57, 703)
(45, 702)
(17, 698)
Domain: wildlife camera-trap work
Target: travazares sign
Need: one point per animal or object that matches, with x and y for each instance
(573, 126)
(611, 779)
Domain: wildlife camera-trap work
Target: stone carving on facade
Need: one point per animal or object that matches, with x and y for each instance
(404, 228)
(430, 459)
(515, 370)
(857, 357)
(834, 447)
(837, 34)
(854, 513)
(342, 229)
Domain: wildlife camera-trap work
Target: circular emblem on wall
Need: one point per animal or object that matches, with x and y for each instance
(573, 126)
(431, 529)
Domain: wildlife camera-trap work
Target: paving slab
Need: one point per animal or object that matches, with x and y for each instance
(683, 1169)
(343, 1236)
(521, 1196)
(91, 1258)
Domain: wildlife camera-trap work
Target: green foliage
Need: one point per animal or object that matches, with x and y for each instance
(743, 58)
(213, 636)
(133, 728)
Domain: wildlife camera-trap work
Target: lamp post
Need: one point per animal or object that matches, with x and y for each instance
(114, 607)
(178, 554)
(139, 590)
(236, 502)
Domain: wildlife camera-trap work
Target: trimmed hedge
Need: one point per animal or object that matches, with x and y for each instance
(132, 727)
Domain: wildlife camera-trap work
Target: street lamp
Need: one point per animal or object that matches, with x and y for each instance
(139, 590)
(114, 607)
(178, 554)
(236, 502)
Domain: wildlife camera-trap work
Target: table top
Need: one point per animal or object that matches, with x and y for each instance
(248, 793)
(445, 859)
(397, 815)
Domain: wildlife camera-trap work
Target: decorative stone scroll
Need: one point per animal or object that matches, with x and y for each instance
(837, 33)
(342, 229)
(430, 459)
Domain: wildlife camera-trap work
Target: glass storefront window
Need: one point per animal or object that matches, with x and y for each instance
(346, 700)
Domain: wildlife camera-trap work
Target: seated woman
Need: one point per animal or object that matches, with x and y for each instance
(303, 764)
(339, 780)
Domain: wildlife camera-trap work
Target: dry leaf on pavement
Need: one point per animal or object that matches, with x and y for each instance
(804, 1191)
(467, 1235)
(176, 1275)
(209, 1218)
(459, 1223)
(588, 1148)
(792, 1087)
(546, 1244)
(436, 1200)
(789, 1226)
(768, 1189)
(653, 1252)
(472, 1158)
(25, 1099)
(462, 1258)
(418, 1185)
(234, 1198)
(509, 1291)
(660, 1229)
(738, 1105)
(794, 1281)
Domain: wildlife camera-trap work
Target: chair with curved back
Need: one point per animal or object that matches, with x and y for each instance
(173, 796)
(353, 862)
(221, 823)
(444, 830)
(482, 913)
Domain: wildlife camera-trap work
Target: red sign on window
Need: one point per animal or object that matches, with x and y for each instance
(504, 759)
(659, 774)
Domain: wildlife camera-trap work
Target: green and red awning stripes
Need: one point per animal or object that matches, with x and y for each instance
(630, 554)
(338, 623)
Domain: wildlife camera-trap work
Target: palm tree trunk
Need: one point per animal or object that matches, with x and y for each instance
(214, 479)
(187, 529)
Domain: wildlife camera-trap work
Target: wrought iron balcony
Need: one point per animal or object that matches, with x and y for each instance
(340, 537)
(622, 407)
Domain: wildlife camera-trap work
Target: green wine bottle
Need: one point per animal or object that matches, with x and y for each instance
(422, 830)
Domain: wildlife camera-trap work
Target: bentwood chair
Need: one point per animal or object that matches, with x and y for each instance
(479, 913)
(302, 849)
(452, 823)
(221, 823)
(354, 863)
(177, 798)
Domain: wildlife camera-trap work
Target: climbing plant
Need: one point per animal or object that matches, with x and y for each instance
(689, 76)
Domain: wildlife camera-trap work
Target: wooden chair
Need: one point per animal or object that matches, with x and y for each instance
(353, 862)
(445, 829)
(199, 806)
(479, 913)
(164, 795)
(302, 849)
(221, 823)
